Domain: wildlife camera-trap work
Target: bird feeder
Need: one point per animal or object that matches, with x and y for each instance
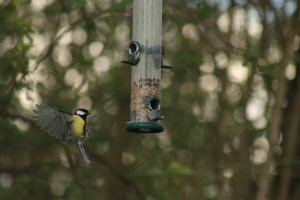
(145, 57)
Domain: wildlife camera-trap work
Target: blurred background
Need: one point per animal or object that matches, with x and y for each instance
(231, 101)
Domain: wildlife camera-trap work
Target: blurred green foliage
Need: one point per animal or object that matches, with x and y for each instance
(216, 101)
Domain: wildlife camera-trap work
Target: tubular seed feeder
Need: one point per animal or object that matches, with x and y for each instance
(145, 53)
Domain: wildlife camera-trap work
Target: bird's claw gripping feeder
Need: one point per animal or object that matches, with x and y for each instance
(145, 57)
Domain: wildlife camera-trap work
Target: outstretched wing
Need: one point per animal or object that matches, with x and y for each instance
(53, 121)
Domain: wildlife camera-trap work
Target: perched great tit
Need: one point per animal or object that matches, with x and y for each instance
(63, 125)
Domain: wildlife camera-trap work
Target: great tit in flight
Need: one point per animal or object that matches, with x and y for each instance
(63, 125)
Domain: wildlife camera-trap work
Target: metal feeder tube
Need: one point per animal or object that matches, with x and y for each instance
(146, 74)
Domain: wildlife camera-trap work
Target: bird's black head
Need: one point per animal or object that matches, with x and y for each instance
(83, 113)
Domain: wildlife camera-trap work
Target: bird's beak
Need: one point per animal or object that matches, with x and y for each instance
(89, 113)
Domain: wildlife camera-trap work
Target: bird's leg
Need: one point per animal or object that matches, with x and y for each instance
(85, 133)
(80, 146)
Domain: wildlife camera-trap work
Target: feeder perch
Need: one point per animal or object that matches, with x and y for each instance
(145, 53)
(163, 66)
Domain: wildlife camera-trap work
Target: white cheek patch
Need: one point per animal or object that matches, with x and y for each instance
(79, 112)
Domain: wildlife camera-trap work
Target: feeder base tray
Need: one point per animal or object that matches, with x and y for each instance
(144, 127)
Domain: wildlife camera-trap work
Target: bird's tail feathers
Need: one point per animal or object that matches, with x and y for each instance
(85, 157)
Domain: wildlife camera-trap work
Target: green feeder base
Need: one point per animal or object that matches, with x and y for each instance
(144, 127)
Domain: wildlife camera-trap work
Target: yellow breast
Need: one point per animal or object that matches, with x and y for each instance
(77, 125)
